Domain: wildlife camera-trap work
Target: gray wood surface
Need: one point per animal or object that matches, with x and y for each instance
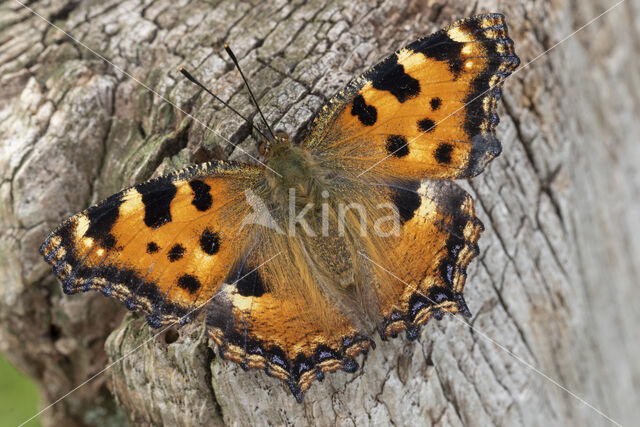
(555, 285)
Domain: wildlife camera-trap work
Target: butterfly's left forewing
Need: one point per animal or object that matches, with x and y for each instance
(169, 246)
(164, 246)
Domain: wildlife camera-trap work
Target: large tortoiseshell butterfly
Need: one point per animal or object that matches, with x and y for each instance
(356, 230)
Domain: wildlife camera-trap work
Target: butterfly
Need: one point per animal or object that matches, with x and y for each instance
(298, 262)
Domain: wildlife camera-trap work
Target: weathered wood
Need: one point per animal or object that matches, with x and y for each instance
(555, 283)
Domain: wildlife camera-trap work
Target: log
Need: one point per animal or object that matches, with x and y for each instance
(553, 337)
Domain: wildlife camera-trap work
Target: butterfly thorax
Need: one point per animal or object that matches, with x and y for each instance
(294, 174)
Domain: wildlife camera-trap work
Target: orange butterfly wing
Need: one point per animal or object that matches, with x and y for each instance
(163, 247)
(427, 111)
(437, 242)
(259, 330)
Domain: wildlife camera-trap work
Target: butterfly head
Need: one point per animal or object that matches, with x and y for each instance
(266, 145)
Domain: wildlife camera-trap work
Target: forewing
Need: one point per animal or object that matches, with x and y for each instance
(427, 111)
(164, 246)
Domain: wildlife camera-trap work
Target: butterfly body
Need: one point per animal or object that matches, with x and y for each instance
(357, 231)
(325, 219)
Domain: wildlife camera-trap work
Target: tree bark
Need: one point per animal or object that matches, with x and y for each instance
(555, 284)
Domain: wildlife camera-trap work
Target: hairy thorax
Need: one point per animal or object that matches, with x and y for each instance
(294, 172)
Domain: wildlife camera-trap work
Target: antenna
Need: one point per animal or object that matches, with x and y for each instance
(235, 61)
(196, 82)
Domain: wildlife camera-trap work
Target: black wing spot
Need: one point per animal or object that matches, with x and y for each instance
(251, 285)
(367, 114)
(248, 282)
(472, 26)
(201, 198)
(435, 103)
(108, 241)
(157, 196)
(443, 153)
(407, 202)
(210, 242)
(441, 47)
(397, 145)
(176, 252)
(189, 282)
(152, 247)
(390, 76)
(426, 125)
(101, 220)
